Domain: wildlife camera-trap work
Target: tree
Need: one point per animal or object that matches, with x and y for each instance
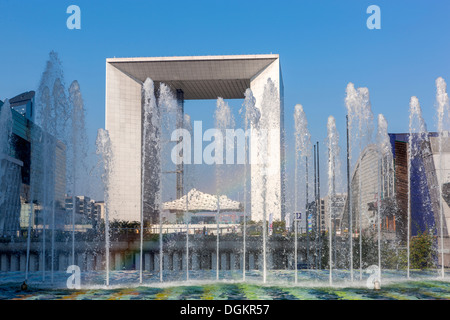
(279, 227)
(422, 252)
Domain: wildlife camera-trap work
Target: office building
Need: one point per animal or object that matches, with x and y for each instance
(27, 177)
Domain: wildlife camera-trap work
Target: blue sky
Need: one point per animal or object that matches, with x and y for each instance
(323, 45)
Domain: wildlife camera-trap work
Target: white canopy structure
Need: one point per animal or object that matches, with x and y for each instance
(200, 201)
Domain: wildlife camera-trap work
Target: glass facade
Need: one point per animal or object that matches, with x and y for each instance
(25, 180)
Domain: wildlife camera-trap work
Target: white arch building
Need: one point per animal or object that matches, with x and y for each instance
(191, 78)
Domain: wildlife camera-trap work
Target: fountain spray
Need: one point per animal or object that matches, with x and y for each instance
(269, 103)
(223, 120)
(79, 147)
(384, 152)
(188, 177)
(149, 105)
(105, 151)
(351, 103)
(252, 116)
(359, 112)
(443, 114)
(333, 172)
(417, 128)
(163, 116)
(302, 149)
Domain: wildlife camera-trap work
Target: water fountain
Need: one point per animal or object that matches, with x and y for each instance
(223, 120)
(252, 116)
(105, 151)
(333, 175)
(302, 151)
(269, 104)
(350, 102)
(417, 133)
(365, 119)
(157, 109)
(78, 148)
(359, 114)
(188, 183)
(152, 154)
(443, 127)
(53, 133)
(385, 161)
(149, 105)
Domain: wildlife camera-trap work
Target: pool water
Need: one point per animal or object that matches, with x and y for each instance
(202, 285)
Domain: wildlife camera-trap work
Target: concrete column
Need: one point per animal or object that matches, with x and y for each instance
(195, 260)
(260, 261)
(1, 262)
(67, 259)
(99, 265)
(213, 261)
(63, 262)
(91, 259)
(112, 264)
(137, 261)
(166, 261)
(33, 262)
(251, 261)
(118, 261)
(269, 260)
(147, 259)
(180, 122)
(223, 261)
(4, 262)
(100, 261)
(41, 262)
(14, 259)
(205, 260)
(156, 262)
(89, 262)
(176, 261)
(79, 261)
(234, 258)
(23, 262)
(184, 262)
(291, 261)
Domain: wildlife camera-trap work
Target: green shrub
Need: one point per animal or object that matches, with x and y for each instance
(422, 251)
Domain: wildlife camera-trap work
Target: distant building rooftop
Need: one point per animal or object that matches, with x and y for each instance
(22, 98)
